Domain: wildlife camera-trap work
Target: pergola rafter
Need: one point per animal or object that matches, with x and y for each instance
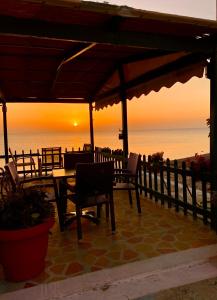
(68, 59)
(86, 34)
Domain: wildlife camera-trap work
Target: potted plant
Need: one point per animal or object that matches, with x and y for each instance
(25, 220)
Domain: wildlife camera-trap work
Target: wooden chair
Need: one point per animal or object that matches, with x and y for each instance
(26, 162)
(87, 148)
(94, 187)
(51, 158)
(43, 183)
(5, 186)
(127, 179)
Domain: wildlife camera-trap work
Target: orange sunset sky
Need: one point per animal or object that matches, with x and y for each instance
(180, 106)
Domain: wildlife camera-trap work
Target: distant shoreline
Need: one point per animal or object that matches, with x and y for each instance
(206, 155)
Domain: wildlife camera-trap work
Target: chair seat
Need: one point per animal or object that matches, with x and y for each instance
(71, 182)
(71, 187)
(92, 200)
(123, 186)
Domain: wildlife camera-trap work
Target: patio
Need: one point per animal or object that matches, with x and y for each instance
(108, 54)
(157, 231)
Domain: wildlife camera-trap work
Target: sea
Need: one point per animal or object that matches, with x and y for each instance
(174, 142)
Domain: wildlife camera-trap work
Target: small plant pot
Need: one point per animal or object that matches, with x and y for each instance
(23, 251)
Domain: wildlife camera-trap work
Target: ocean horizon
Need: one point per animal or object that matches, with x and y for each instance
(174, 142)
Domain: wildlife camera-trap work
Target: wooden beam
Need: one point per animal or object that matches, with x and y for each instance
(87, 34)
(124, 112)
(91, 126)
(5, 129)
(68, 59)
(146, 55)
(213, 136)
(45, 100)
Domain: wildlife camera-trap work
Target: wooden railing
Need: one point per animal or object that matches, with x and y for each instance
(173, 185)
(170, 184)
(36, 155)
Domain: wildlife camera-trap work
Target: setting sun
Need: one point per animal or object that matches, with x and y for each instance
(75, 123)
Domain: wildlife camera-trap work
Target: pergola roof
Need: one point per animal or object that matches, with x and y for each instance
(80, 52)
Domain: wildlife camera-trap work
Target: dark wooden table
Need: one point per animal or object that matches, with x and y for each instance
(61, 176)
(63, 173)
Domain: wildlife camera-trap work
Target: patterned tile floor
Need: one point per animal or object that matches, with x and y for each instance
(156, 231)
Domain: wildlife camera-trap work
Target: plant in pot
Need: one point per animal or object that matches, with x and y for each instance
(25, 220)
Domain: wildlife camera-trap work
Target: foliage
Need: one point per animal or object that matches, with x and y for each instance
(155, 159)
(201, 164)
(24, 209)
(117, 152)
(106, 150)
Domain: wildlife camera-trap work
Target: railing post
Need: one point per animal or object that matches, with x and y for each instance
(168, 182)
(145, 175)
(5, 129)
(91, 125)
(124, 112)
(150, 177)
(176, 185)
(184, 186)
(161, 167)
(212, 74)
(194, 194)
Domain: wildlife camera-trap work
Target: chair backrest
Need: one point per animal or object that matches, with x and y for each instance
(87, 147)
(133, 163)
(5, 185)
(51, 158)
(13, 174)
(72, 158)
(12, 155)
(94, 179)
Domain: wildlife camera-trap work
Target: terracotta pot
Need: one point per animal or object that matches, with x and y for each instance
(23, 251)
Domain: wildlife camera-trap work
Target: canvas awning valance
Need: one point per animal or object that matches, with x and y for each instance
(149, 75)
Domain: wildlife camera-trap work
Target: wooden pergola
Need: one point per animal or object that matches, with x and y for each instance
(71, 51)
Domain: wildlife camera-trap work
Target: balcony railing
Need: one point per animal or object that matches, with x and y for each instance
(170, 184)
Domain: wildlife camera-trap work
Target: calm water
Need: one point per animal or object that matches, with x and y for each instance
(176, 143)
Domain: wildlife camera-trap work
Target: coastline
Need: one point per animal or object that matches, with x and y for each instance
(190, 159)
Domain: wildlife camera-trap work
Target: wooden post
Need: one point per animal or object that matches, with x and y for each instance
(124, 112)
(5, 130)
(212, 73)
(91, 125)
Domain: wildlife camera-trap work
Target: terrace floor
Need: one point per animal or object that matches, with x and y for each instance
(156, 231)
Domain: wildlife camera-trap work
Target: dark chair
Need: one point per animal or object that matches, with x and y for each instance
(72, 158)
(25, 162)
(51, 158)
(43, 183)
(94, 187)
(87, 148)
(127, 179)
(5, 186)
